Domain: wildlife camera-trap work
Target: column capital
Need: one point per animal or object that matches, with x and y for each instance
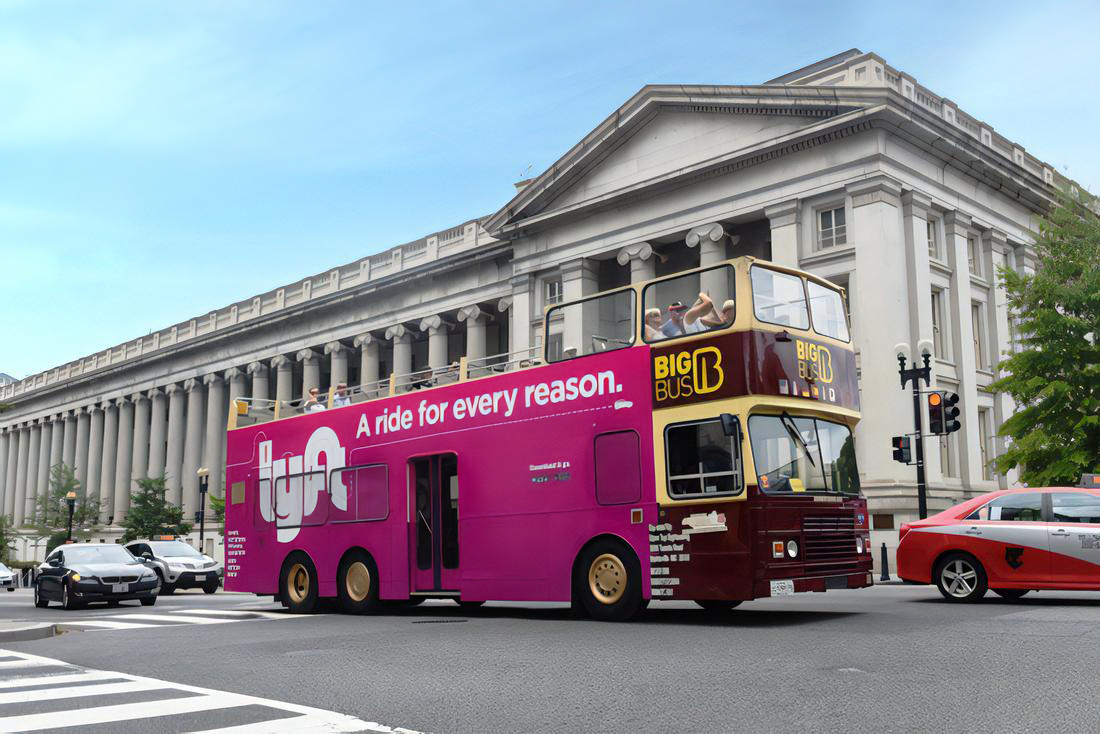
(156, 392)
(473, 314)
(121, 400)
(192, 383)
(435, 324)
(91, 409)
(172, 388)
(640, 251)
(233, 373)
(365, 339)
(712, 232)
(504, 304)
(996, 239)
(915, 204)
(255, 367)
(956, 223)
(280, 361)
(137, 396)
(210, 379)
(335, 347)
(397, 332)
(66, 415)
(874, 189)
(306, 355)
(783, 213)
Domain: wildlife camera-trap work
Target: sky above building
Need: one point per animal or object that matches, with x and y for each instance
(162, 159)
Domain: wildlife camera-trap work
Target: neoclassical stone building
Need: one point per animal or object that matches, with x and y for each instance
(847, 168)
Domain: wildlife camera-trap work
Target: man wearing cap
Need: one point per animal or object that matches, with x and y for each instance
(674, 326)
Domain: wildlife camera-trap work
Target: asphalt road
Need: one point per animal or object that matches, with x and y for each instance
(891, 658)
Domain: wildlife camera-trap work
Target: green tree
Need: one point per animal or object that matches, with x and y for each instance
(151, 513)
(6, 537)
(217, 508)
(1055, 377)
(51, 516)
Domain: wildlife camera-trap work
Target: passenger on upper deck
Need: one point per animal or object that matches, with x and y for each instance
(312, 404)
(341, 397)
(703, 316)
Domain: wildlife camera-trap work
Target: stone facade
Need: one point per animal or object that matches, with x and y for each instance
(847, 168)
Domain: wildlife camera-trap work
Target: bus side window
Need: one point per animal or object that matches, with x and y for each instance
(618, 468)
(368, 494)
(701, 460)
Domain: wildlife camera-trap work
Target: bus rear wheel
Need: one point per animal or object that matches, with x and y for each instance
(298, 585)
(357, 584)
(609, 581)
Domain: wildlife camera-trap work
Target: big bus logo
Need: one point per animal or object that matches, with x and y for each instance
(815, 362)
(687, 373)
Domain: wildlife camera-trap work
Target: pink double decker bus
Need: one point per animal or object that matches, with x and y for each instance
(690, 439)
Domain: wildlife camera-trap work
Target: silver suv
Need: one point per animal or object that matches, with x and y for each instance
(178, 564)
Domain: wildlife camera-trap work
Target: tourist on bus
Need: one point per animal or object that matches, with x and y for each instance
(341, 398)
(313, 404)
(653, 324)
(674, 326)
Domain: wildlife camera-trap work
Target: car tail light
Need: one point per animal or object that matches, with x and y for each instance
(902, 531)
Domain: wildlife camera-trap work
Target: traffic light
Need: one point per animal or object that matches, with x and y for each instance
(935, 413)
(950, 412)
(901, 449)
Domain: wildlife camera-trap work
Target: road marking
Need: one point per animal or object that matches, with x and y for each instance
(172, 618)
(235, 613)
(105, 624)
(119, 712)
(49, 694)
(58, 679)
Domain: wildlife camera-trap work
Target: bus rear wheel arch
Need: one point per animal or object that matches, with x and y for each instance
(607, 580)
(357, 583)
(298, 584)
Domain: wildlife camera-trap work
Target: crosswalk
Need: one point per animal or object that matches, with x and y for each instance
(41, 694)
(170, 618)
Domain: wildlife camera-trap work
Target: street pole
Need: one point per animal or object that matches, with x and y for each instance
(70, 500)
(915, 375)
(204, 480)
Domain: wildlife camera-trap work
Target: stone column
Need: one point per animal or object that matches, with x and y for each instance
(80, 455)
(957, 226)
(214, 456)
(579, 278)
(192, 445)
(476, 320)
(110, 457)
(31, 488)
(44, 447)
(173, 462)
(123, 460)
(57, 446)
(402, 352)
(260, 390)
(21, 475)
(711, 241)
(519, 340)
(880, 294)
(11, 477)
(311, 370)
(95, 452)
(338, 369)
(139, 468)
(643, 265)
(68, 449)
(995, 248)
(158, 424)
(368, 358)
(237, 381)
(437, 329)
(785, 225)
(284, 378)
(5, 444)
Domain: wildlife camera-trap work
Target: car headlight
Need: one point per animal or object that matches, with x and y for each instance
(792, 548)
(75, 576)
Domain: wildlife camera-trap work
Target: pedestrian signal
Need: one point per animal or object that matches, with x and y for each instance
(950, 413)
(935, 413)
(901, 449)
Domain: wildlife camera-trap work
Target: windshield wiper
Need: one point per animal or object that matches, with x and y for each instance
(788, 423)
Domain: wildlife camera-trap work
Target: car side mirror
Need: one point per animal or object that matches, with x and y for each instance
(55, 562)
(147, 556)
(729, 424)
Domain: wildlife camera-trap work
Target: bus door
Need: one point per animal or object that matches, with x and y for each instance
(434, 523)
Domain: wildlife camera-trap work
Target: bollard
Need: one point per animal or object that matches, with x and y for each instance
(885, 565)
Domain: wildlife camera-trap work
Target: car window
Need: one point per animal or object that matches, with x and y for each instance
(1076, 507)
(174, 549)
(1026, 507)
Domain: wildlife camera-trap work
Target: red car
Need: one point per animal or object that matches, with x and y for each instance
(1011, 541)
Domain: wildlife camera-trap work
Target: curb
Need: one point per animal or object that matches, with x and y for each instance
(39, 631)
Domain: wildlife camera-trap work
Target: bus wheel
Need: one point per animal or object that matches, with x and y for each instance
(610, 581)
(357, 584)
(298, 584)
(717, 605)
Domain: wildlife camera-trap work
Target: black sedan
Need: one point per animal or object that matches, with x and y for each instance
(78, 573)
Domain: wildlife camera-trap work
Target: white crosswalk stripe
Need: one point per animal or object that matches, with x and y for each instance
(23, 681)
(137, 621)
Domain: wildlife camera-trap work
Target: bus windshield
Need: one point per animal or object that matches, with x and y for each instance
(795, 454)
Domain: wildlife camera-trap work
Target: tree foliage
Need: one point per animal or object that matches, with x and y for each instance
(51, 516)
(1055, 377)
(7, 533)
(151, 513)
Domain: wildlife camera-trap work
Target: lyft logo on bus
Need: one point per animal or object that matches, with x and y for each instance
(291, 484)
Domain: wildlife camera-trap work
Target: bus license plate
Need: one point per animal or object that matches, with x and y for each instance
(119, 588)
(782, 588)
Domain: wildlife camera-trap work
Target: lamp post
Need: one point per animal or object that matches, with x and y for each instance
(915, 375)
(70, 500)
(204, 484)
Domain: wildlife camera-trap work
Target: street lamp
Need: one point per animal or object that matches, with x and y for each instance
(204, 484)
(914, 375)
(70, 500)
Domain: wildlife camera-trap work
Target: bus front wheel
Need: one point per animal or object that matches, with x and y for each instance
(298, 585)
(609, 581)
(357, 584)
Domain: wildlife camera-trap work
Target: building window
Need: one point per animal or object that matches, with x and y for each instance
(551, 291)
(977, 324)
(973, 255)
(831, 228)
(941, 345)
(985, 438)
(882, 521)
(947, 455)
(933, 232)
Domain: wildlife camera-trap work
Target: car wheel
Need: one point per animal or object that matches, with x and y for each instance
(357, 584)
(717, 605)
(609, 581)
(67, 600)
(38, 600)
(148, 601)
(1012, 594)
(961, 578)
(298, 585)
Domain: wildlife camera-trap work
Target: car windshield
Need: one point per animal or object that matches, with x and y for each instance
(4, 569)
(174, 549)
(97, 554)
(803, 455)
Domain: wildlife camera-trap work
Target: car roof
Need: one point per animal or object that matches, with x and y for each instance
(981, 499)
(63, 546)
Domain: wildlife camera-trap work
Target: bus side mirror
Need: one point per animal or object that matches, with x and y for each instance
(729, 425)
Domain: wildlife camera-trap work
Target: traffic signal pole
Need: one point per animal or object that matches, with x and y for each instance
(915, 375)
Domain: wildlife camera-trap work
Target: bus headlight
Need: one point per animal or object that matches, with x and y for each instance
(792, 548)
(859, 545)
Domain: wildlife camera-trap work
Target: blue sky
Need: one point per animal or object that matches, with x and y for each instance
(162, 159)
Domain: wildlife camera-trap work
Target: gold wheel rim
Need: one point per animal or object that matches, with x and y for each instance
(607, 578)
(298, 583)
(357, 581)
